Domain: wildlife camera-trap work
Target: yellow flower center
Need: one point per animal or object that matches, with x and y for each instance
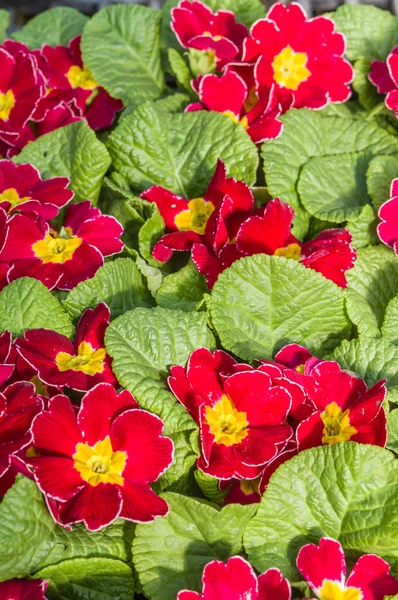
(7, 103)
(196, 217)
(88, 361)
(57, 248)
(332, 590)
(290, 68)
(40, 387)
(81, 78)
(250, 486)
(243, 121)
(11, 195)
(228, 425)
(337, 426)
(289, 251)
(215, 38)
(99, 463)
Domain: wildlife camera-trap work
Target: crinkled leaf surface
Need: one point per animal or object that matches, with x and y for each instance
(345, 491)
(180, 476)
(26, 303)
(309, 134)
(389, 328)
(89, 579)
(55, 27)
(363, 228)
(31, 540)
(361, 314)
(170, 553)
(371, 359)
(367, 92)
(262, 303)
(375, 278)
(121, 47)
(382, 170)
(370, 32)
(119, 284)
(182, 290)
(392, 426)
(72, 151)
(180, 152)
(144, 344)
(4, 23)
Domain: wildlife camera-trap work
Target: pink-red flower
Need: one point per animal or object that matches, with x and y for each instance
(60, 259)
(79, 365)
(6, 363)
(18, 407)
(388, 213)
(384, 75)
(302, 57)
(236, 580)
(231, 95)
(23, 589)
(23, 190)
(70, 81)
(324, 568)
(98, 465)
(213, 39)
(241, 413)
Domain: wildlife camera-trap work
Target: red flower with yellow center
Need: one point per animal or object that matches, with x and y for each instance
(241, 414)
(324, 569)
(98, 465)
(213, 39)
(79, 365)
(23, 589)
(23, 190)
(237, 580)
(302, 57)
(61, 259)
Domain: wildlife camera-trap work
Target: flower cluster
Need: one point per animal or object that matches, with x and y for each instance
(384, 75)
(285, 61)
(253, 419)
(29, 244)
(323, 567)
(42, 90)
(224, 225)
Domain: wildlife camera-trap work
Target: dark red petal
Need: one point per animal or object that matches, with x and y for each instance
(140, 503)
(261, 445)
(85, 262)
(235, 579)
(23, 589)
(374, 432)
(225, 93)
(310, 432)
(273, 586)
(92, 325)
(56, 476)
(325, 561)
(96, 506)
(380, 77)
(293, 355)
(103, 233)
(55, 431)
(371, 575)
(207, 263)
(169, 204)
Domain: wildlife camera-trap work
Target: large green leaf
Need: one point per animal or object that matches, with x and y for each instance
(375, 278)
(121, 46)
(367, 92)
(345, 491)
(88, 579)
(144, 344)
(382, 170)
(55, 27)
(27, 304)
(4, 23)
(363, 228)
(389, 328)
(370, 32)
(170, 553)
(307, 135)
(262, 303)
(180, 152)
(72, 151)
(371, 359)
(180, 476)
(118, 283)
(392, 426)
(361, 314)
(31, 540)
(182, 290)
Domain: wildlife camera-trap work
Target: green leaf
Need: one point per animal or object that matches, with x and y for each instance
(31, 540)
(72, 151)
(367, 92)
(150, 233)
(121, 47)
(389, 328)
(309, 134)
(88, 579)
(382, 170)
(26, 304)
(170, 553)
(209, 486)
(375, 278)
(118, 283)
(180, 151)
(361, 314)
(179, 477)
(333, 188)
(262, 303)
(144, 344)
(181, 70)
(173, 103)
(371, 359)
(392, 426)
(363, 228)
(55, 27)
(4, 23)
(345, 491)
(371, 32)
(182, 290)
